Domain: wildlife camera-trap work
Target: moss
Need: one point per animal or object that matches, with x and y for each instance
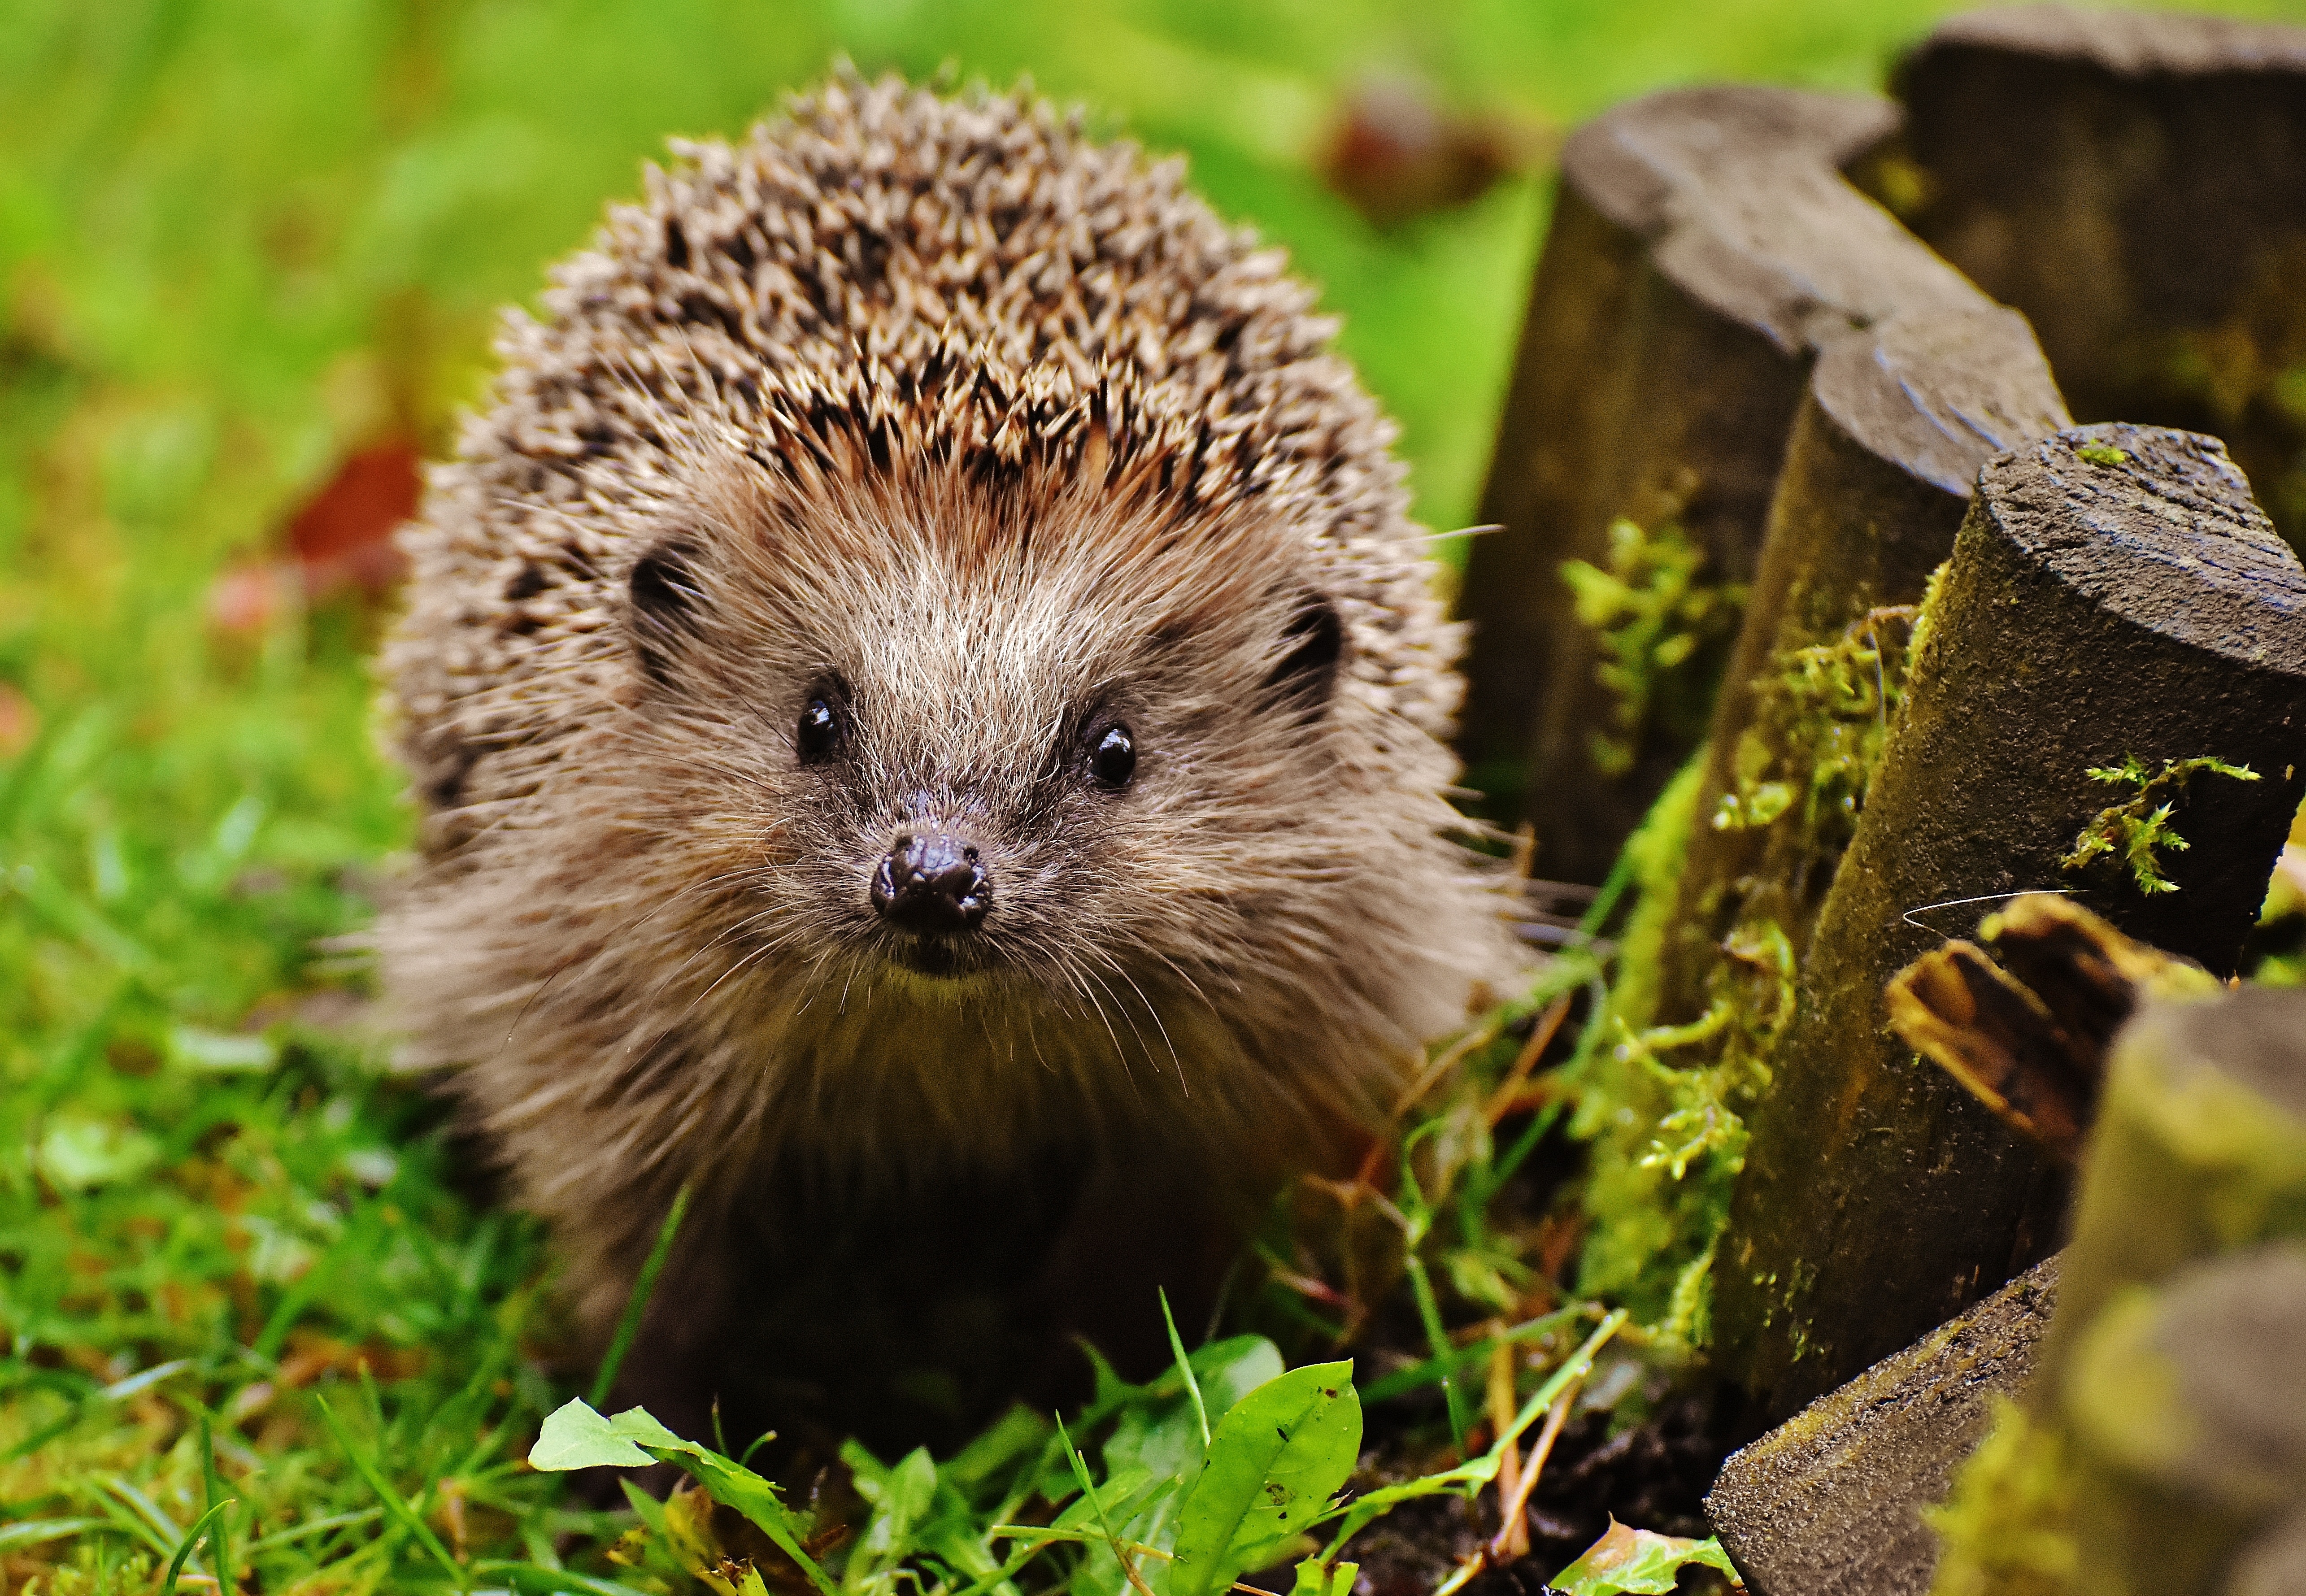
(2135, 832)
(1663, 1107)
(1658, 629)
(1817, 734)
(1656, 852)
(2007, 1529)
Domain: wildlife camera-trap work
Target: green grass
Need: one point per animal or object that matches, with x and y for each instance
(239, 239)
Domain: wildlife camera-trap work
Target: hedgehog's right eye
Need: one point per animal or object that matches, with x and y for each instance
(819, 731)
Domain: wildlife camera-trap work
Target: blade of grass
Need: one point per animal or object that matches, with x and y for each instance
(185, 1551)
(540, 1579)
(146, 1521)
(219, 1538)
(1113, 1538)
(391, 1499)
(1185, 1369)
(32, 1532)
(636, 1305)
(1424, 1374)
(318, 1526)
(1428, 1311)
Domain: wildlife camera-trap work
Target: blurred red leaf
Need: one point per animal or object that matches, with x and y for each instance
(343, 536)
(339, 541)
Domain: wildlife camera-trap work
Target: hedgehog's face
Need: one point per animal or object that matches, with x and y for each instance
(1068, 757)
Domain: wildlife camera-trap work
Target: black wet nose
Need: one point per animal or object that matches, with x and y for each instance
(932, 884)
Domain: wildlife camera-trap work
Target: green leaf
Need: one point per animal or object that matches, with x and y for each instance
(1279, 1456)
(575, 1437)
(899, 1497)
(1317, 1578)
(1630, 1562)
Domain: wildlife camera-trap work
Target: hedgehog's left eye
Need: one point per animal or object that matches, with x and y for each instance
(1113, 759)
(819, 731)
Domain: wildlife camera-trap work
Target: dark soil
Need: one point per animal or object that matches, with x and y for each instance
(1651, 1475)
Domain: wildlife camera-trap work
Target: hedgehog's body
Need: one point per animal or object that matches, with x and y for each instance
(922, 666)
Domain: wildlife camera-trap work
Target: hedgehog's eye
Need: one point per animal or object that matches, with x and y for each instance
(1113, 759)
(819, 731)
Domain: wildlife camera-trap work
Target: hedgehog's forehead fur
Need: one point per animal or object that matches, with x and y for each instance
(936, 405)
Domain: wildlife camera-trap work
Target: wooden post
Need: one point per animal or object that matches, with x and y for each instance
(2135, 182)
(1703, 247)
(2115, 605)
(2164, 1440)
(1896, 423)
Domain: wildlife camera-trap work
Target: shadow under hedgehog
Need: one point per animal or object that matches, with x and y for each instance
(931, 716)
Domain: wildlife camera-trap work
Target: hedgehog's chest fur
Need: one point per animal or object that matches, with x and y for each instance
(923, 661)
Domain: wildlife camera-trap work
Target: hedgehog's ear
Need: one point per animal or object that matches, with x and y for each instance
(665, 601)
(1312, 646)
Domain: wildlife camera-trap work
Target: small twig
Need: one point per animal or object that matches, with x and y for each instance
(1481, 1035)
(1502, 1418)
(1516, 1521)
(1541, 1038)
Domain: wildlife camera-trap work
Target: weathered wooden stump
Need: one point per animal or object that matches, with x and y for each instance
(1704, 248)
(2135, 184)
(2118, 626)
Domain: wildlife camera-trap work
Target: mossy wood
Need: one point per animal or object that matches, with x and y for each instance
(1703, 247)
(1890, 438)
(2136, 184)
(2163, 1441)
(2115, 600)
(1831, 1502)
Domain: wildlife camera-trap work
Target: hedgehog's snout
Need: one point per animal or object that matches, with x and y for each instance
(932, 884)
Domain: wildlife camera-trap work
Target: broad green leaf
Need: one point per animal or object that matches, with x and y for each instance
(575, 1437)
(1317, 1578)
(900, 1497)
(1231, 1369)
(1016, 1438)
(1279, 1456)
(1630, 1562)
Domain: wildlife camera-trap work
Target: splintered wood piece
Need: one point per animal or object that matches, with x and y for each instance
(1956, 1008)
(2028, 1036)
(2115, 603)
(1703, 248)
(2087, 975)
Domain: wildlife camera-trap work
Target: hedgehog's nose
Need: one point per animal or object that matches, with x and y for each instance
(932, 884)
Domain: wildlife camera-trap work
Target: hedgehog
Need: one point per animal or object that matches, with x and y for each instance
(921, 666)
